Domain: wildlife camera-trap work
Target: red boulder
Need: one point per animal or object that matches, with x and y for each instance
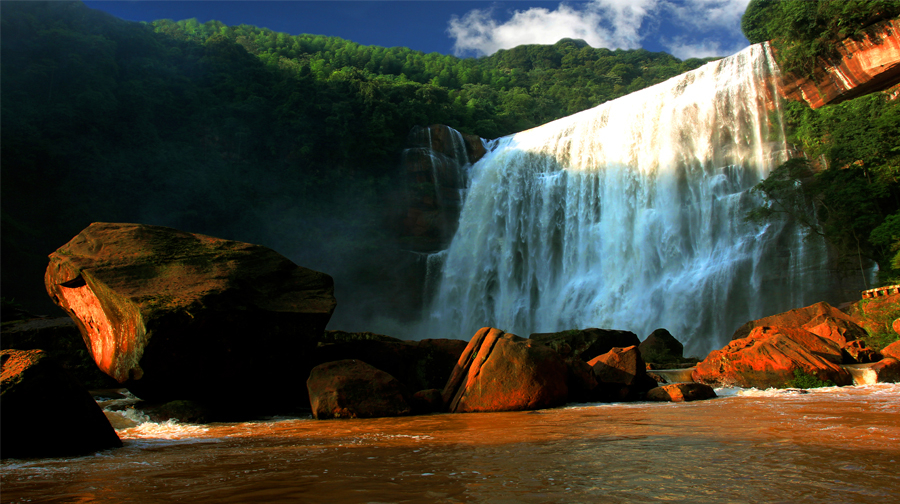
(892, 350)
(353, 389)
(768, 358)
(821, 319)
(503, 372)
(622, 374)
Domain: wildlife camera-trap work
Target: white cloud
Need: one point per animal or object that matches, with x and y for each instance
(601, 23)
(612, 24)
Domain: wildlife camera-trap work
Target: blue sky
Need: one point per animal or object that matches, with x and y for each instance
(685, 28)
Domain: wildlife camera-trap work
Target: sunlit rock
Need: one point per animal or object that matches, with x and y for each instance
(174, 315)
(622, 374)
(681, 392)
(820, 318)
(892, 350)
(503, 372)
(351, 388)
(768, 357)
(44, 412)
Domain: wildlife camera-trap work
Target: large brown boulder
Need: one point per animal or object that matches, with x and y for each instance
(353, 389)
(820, 318)
(586, 344)
(681, 392)
(174, 315)
(419, 365)
(768, 358)
(622, 375)
(44, 412)
(503, 372)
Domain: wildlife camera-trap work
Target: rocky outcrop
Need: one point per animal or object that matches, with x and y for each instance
(857, 352)
(46, 413)
(864, 66)
(622, 375)
(768, 357)
(174, 315)
(503, 372)
(419, 365)
(681, 392)
(435, 164)
(820, 318)
(661, 346)
(353, 389)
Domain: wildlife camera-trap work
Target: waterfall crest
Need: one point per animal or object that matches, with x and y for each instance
(630, 216)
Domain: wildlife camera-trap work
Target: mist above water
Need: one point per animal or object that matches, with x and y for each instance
(630, 216)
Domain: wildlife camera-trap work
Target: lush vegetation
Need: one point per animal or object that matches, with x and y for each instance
(244, 133)
(803, 31)
(804, 380)
(847, 186)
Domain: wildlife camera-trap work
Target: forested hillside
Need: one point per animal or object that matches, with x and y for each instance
(243, 133)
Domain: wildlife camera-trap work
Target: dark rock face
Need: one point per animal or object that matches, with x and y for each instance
(34, 392)
(435, 164)
(856, 351)
(181, 316)
(768, 357)
(503, 372)
(660, 346)
(586, 343)
(820, 318)
(61, 340)
(419, 365)
(681, 392)
(886, 370)
(353, 389)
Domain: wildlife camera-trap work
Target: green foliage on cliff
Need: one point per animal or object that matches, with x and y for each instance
(847, 188)
(802, 31)
(804, 380)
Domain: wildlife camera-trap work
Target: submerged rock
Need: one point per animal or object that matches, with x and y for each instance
(768, 357)
(44, 412)
(681, 392)
(351, 388)
(166, 312)
(503, 372)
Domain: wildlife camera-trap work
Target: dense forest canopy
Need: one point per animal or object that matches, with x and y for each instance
(850, 174)
(240, 132)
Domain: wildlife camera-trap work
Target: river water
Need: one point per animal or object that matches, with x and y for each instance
(828, 445)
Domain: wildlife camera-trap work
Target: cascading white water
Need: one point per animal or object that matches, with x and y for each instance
(630, 216)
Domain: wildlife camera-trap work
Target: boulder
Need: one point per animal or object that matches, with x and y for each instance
(864, 65)
(660, 346)
(45, 412)
(351, 388)
(768, 357)
(622, 374)
(586, 343)
(820, 318)
(180, 316)
(503, 372)
(419, 365)
(892, 350)
(682, 392)
(427, 401)
(896, 326)
(580, 380)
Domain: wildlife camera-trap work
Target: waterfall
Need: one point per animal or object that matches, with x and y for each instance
(630, 216)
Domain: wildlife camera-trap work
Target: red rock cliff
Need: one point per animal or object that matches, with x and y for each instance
(865, 66)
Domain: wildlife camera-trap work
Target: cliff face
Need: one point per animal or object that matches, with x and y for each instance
(865, 66)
